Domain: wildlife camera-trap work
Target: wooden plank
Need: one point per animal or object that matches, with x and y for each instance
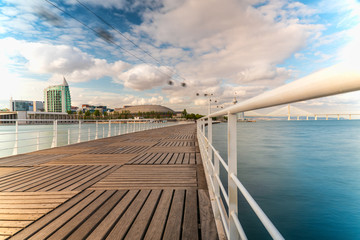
(93, 159)
(3, 237)
(24, 210)
(47, 230)
(154, 159)
(80, 216)
(173, 159)
(157, 225)
(26, 232)
(85, 183)
(167, 159)
(14, 224)
(38, 172)
(27, 206)
(59, 179)
(200, 175)
(138, 228)
(161, 158)
(180, 158)
(190, 225)
(100, 232)
(7, 170)
(31, 201)
(122, 226)
(207, 222)
(69, 179)
(34, 178)
(48, 178)
(86, 228)
(192, 158)
(20, 217)
(174, 222)
(9, 231)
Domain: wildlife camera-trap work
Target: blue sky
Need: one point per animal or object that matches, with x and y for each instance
(222, 47)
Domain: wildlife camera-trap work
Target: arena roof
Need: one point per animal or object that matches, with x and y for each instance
(145, 108)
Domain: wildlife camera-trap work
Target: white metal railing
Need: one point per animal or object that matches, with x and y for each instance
(27, 135)
(332, 81)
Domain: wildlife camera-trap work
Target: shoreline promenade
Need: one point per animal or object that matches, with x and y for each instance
(143, 185)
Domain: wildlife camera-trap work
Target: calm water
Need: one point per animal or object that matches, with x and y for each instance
(305, 175)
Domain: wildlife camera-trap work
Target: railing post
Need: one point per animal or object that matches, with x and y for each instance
(109, 132)
(103, 132)
(232, 162)
(119, 128)
(210, 139)
(89, 134)
(38, 141)
(54, 143)
(96, 130)
(79, 137)
(127, 126)
(69, 138)
(15, 150)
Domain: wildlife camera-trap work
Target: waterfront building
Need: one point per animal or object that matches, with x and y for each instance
(57, 98)
(92, 108)
(145, 108)
(146, 111)
(24, 105)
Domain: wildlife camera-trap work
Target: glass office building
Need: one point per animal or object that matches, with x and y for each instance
(23, 105)
(57, 98)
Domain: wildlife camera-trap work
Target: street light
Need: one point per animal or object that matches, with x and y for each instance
(209, 96)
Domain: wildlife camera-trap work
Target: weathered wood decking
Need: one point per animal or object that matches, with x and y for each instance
(145, 185)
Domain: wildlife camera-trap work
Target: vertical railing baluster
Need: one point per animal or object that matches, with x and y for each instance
(38, 141)
(54, 142)
(119, 128)
(232, 163)
(69, 136)
(109, 132)
(210, 139)
(96, 130)
(89, 134)
(15, 150)
(79, 137)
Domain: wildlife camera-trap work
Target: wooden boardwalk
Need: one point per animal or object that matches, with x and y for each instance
(145, 185)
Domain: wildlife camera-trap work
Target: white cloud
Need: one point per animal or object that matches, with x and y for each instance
(225, 39)
(143, 77)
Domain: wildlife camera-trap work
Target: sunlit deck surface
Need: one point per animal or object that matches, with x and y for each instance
(144, 185)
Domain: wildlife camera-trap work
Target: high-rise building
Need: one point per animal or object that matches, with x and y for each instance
(57, 98)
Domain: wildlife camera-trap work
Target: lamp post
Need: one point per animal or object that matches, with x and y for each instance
(209, 95)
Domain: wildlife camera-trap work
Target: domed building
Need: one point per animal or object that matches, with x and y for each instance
(146, 111)
(145, 108)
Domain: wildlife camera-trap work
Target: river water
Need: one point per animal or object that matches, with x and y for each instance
(305, 175)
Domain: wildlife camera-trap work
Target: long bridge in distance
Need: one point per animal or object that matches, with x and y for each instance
(292, 112)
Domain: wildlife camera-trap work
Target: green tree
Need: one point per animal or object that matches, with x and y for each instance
(184, 113)
(69, 112)
(97, 113)
(87, 113)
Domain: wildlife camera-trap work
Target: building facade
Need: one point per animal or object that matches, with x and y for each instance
(57, 98)
(22, 105)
